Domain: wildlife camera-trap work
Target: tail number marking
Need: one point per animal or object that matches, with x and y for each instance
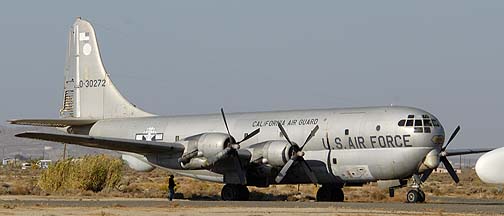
(92, 83)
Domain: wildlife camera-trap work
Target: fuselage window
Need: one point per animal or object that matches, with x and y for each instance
(418, 122)
(409, 123)
(378, 127)
(401, 123)
(418, 129)
(334, 161)
(347, 131)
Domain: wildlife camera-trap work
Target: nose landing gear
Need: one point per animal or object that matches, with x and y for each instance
(415, 195)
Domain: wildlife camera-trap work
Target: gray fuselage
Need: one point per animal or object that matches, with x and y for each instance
(353, 145)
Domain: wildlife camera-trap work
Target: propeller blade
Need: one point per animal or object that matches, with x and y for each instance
(284, 133)
(283, 171)
(250, 135)
(450, 169)
(312, 134)
(309, 171)
(426, 175)
(451, 137)
(225, 122)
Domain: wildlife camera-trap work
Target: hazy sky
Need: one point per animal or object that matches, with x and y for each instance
(184, 57)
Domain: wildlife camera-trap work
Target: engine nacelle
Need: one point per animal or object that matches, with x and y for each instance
(274, 153)
(208, 144)
(136, 163)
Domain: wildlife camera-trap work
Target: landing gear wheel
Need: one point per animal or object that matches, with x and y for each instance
(422, 196)
(330, 193)
(233, 192)
(413, 196)
(243, 193)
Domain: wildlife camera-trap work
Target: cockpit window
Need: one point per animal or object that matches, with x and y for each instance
(421, 125)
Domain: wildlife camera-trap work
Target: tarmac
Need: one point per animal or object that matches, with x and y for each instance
(39, 205)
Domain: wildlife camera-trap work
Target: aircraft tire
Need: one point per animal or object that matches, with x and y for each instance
(234, 192)
(421, 197)
(413, 196)
(330, 193)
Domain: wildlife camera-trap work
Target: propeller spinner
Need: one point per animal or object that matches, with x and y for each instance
(444, 160)
(296, 156)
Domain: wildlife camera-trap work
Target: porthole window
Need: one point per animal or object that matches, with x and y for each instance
(347, 132)
(378, 127)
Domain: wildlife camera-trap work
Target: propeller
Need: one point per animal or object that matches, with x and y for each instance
(444, 160)
(232, 149)
(296, 156)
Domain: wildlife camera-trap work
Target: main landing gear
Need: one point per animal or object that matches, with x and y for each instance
(235, 192)
(330, 193)
(415, 195)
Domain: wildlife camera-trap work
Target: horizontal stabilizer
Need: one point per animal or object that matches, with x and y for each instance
(53, 122)
(467, 151)
(117, 144)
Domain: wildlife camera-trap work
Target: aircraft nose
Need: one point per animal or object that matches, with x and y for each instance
(489, 167)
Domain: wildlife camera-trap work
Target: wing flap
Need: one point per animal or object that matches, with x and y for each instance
(117, 144)
(53, 122)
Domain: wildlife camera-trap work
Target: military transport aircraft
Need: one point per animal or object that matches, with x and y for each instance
(328, 147)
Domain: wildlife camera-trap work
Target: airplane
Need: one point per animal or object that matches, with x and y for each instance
(489, 167)
(333, 148)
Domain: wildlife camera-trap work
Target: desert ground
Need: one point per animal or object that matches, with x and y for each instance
(140, 193)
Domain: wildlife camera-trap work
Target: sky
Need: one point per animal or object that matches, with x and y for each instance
(193, 57)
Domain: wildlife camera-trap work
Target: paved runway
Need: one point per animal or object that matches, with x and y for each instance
(435, 205)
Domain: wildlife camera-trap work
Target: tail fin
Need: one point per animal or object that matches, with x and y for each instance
(89, 93)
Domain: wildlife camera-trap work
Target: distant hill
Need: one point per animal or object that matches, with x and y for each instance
(11, 146)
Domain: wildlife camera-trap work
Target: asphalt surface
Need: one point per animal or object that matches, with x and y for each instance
(435, 204)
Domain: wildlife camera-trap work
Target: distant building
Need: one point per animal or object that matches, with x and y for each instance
(7, 161)
(443, 170)
(44, 164)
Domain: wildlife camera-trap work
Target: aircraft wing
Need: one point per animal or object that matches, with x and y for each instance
(454, 152)
(117, 144)
(53, 122)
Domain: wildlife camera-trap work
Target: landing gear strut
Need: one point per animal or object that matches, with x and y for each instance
(330, 193)
(235, 192)
(415, 195)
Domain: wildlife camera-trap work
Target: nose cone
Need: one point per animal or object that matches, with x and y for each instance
(489, 167)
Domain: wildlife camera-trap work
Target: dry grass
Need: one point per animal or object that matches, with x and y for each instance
(92, 173)
(154, 185)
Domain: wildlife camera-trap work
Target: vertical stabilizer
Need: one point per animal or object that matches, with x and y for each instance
(88, 91)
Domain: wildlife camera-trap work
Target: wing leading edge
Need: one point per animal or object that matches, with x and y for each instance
(117, 144)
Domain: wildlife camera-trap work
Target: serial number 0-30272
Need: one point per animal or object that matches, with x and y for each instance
(92, 83)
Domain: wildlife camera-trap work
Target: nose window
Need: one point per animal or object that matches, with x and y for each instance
(421, 125)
